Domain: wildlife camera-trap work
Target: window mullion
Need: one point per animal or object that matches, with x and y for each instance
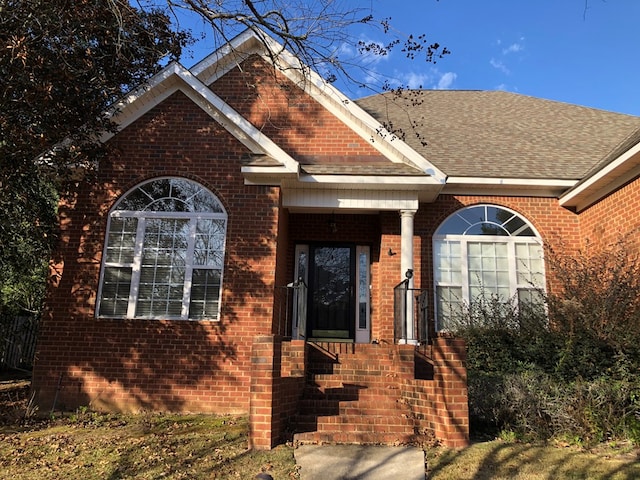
(513, 268)
(188, 268)
(464, 266)
(136, 267)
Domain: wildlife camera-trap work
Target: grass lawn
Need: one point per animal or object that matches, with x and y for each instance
(498, 460)
(91, 445)
(147, 446)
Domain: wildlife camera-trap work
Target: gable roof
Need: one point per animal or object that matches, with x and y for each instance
(501, 134)
(268, 163)
(252, 42)
(477, 142)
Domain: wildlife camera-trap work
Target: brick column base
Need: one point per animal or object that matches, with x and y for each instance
(277, 382)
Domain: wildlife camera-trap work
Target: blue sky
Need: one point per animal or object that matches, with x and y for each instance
(574, 51)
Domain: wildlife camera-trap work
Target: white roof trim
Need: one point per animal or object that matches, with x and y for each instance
(227, 57)
(369, 180)
(177, 78)
(507, 186)
(612, 176)
(328, 96)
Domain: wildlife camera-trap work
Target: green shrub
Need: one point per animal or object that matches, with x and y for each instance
(568, 370)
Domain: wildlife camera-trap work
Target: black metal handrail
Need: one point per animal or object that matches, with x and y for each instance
(294, 309)
(402, 294)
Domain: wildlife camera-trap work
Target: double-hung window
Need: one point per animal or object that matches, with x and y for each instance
(164, 253)
(485, 251)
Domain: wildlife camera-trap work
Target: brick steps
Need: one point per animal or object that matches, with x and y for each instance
(358, 407)
(363, 438)
(353, 396)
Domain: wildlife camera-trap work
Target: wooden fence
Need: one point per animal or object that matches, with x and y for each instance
(18, 341)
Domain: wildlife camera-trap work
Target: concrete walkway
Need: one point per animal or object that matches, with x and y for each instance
(359, 462)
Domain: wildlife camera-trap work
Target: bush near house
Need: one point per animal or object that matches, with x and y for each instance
(568, 370)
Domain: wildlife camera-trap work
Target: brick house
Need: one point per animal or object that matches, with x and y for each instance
(259, 243)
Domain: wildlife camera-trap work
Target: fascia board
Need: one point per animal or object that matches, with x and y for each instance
(507, 186)
(270, 176)
(612, 176)
(327, 95)
(350, 180)
(177, 78)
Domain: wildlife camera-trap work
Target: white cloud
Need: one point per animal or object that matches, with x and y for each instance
(507, 51)
(513, 48)
(506, 88)
(498, 65)
(446, 80)
(416, 80)
(346, 50)
(433, 79)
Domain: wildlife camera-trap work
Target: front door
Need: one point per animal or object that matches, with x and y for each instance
(331, 289)
(337, 277)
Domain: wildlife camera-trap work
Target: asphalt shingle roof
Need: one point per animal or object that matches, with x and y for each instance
(502, 134)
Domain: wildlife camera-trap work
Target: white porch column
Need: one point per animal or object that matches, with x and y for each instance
(406, 263)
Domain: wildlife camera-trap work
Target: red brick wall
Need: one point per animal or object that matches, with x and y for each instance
(277, 383)
(288, 116)
(439, 400)
(165, 365)
(615, 218)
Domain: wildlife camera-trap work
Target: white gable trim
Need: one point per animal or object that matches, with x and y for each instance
(177, 78)
(363, 124)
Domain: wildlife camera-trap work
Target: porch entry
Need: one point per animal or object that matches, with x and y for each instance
(337, 295)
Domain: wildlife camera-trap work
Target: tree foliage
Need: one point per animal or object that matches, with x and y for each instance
(62, 64)
(325, 35)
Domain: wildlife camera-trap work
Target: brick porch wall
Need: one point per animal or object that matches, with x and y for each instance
(436, 389)
(277, 382)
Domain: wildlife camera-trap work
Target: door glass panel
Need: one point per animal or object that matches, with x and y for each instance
(363, 289)
(331, 294)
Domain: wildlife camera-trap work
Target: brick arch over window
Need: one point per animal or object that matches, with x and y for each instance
(164, 253)
(485, 252)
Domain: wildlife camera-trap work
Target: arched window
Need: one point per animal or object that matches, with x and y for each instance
(481, 251)
(164, 253)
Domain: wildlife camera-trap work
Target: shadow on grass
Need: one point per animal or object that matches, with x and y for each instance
(501, 460)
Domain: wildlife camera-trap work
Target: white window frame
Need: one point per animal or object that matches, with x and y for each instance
(463, 240)
(142, 216)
